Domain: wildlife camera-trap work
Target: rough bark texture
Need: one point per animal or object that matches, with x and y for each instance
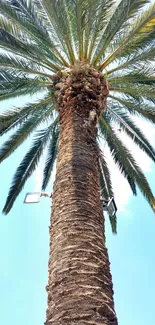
(80, 286)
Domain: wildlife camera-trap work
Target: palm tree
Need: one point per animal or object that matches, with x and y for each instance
(92, 64)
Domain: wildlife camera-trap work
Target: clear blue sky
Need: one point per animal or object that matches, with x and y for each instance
(24, 245)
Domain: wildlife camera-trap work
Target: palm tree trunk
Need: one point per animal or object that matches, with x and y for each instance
(80, 285)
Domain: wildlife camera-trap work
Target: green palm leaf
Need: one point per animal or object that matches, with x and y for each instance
(144, 91)
(51, 156)
(124, 160)
(10, 62)
(127, 125)
(30, 24)
(120, 15)
(140, 76)
(140, 107)
(22, 133)
(55, 11)
(15, 117)
(134, 60)
(100, 10)
(27, 166)
(17, 43)
(140, 36)
(17, 83)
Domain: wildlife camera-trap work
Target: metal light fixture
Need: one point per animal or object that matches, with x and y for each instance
(109, 206)
(34, 197)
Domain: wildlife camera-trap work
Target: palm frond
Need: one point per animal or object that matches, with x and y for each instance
(9, 43)
(100, 10)
(132, 61)
(127, 125)
(22, 92)
(51, 156)
(144, 91)
(79, 14)
(22, 133)
(91, 8)
(125, 161)
(58, 48)
(24, 18)
(140, 108)
(140, 36)
(16, 116)
(119, 162)
(56, 12)
(10, 76)
(119, 17)
(142, 75)
(27, 166)
(9, 62)
(14, 83)
(106, 187)
(18, 43)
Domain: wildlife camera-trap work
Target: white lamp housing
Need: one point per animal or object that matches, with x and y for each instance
(32, 197)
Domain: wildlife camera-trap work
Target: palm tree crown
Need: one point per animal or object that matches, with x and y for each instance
(43, 40)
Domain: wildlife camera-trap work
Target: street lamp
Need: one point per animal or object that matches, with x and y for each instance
(34, 197)
(109, 206)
